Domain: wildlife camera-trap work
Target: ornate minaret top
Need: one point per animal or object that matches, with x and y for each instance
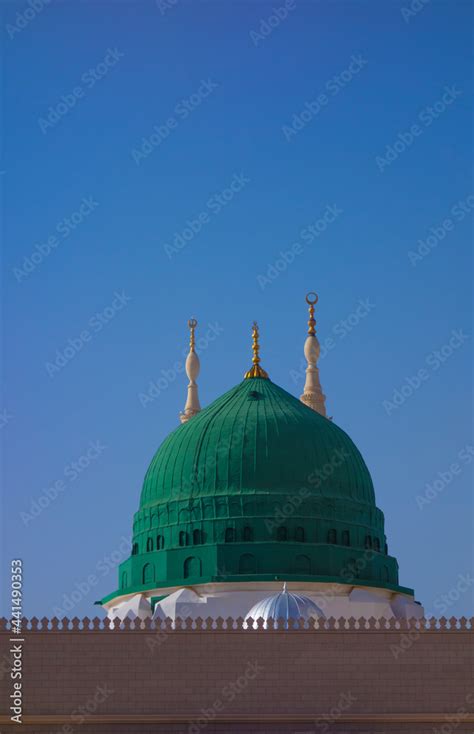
(193, 367)
(255, 370)
(313, 395)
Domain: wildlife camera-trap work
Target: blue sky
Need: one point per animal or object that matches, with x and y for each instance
(158, 160)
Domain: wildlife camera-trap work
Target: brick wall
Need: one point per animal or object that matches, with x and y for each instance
(160, 680)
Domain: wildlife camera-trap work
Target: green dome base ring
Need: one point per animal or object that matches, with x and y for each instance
(273, 561)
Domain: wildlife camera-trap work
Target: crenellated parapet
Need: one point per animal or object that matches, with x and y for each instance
(216, 674)
(219, 624)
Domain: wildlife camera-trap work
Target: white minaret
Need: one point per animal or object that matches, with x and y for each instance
(313, 395)
(193, 367)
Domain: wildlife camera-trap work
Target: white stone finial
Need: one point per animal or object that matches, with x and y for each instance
(313, 395)
(193, 367)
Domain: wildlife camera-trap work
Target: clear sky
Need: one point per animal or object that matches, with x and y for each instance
(158, 160)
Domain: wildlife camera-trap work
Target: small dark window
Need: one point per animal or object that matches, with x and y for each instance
(248, 534)
(386, 549)
(135, 549)
(368, 541)
(160, 542)
(149, 544)
(299, 535)
(197, 537)
(377, 545)
(148, 573)
(229, 535)
(124, 580)
(183, 538)
(192, 567)
(346, 538)
(332, 536)
(282, 533)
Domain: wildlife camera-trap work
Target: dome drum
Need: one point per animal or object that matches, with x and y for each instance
(221, 562)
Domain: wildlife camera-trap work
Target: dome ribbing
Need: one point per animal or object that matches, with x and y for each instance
(257, 438)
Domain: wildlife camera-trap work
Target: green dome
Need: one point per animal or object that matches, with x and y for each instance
(257, 486)
(256, 438)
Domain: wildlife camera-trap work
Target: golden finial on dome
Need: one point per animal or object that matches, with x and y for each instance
(255, 370)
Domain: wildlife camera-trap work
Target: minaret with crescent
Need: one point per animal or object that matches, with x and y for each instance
(313, 395)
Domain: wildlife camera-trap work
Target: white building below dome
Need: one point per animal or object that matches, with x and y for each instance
(239, 599)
